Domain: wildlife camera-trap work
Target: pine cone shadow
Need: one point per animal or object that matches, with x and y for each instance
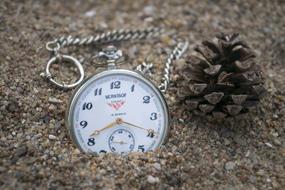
(241, 130)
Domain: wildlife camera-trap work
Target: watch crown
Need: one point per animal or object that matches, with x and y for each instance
(111, 53)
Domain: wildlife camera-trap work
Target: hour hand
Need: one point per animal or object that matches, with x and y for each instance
(97, 132)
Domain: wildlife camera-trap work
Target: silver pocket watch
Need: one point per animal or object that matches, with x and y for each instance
(116, 110)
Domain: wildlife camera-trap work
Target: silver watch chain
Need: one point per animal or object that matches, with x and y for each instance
(111, 53)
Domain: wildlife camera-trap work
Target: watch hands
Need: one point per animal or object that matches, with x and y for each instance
(96, 132)
(150, 131)
(119, 142)
(118, 121)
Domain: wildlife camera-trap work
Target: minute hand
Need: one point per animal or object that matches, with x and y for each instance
(138, 127)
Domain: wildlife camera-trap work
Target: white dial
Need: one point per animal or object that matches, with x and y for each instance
(117, 111)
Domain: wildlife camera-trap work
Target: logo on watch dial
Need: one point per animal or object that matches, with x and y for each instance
(116, 104)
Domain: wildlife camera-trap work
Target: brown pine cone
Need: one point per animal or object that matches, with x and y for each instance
(221, 78)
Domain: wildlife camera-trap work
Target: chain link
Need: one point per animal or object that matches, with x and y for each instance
(118, 36)
(177, 52)
(108, 37)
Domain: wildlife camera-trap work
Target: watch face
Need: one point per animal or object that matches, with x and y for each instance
(117, 111)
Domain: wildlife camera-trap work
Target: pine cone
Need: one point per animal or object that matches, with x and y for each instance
(221, 79)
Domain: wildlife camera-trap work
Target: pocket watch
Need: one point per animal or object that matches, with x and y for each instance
(116, 110)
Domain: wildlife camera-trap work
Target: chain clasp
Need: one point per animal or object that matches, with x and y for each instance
(60, 58)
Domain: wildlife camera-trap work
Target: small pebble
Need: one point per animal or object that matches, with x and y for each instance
(275, 116)
(152, 180)
(247, 153)
(2, 169)
(230, 165)
(90, 13)
(46, 118)
(76, 151)
(227, 141)
(9, 137)
(275, 134)
(54, 100)
(21, 151)
(240, 140)
(52, 107)
(157, 166)
(269, 145)
(275, 184)
(13, 107)
(277, 142)
(149, 10)
(51, 137)
(37, 136)
(260, 172)
(252, 179)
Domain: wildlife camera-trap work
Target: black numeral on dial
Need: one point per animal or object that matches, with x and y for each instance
(153, 116)
(132, 88)
(91, 142)
(87, 106)
(83, 124)
(98, 91)
(116, 84)
(146, 99)
(150, 134)
(141, 148)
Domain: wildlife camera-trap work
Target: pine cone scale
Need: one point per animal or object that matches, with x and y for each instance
(213, 70)
(244, 65)
(214, 97)
(207, 53)
(198, 88)
(239, 99)
(206, 108)
(233, 110)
